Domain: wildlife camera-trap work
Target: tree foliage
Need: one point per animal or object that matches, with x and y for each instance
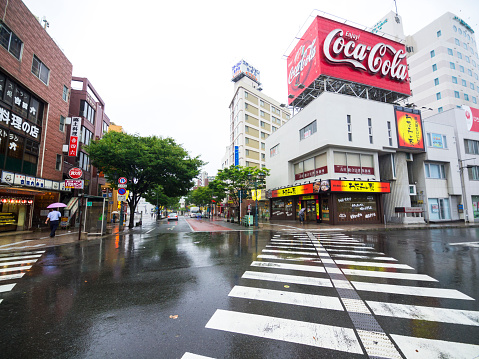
(201, 196)
(156, 196)
(146, 162)
(230, 181)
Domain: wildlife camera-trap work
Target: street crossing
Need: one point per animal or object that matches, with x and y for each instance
(13, 266)
(327, 273)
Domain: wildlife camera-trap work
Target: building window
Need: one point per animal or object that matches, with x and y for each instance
(246, 152)
(456, 94)
(440, 109)
(454, 80)
(263, 146)
(473, 173)
(58, 163)
(264, 135)
(87, 111)
(464, 45)
(10, 41)
(390, 137)
(438, 96)
(65, 93)
(245, 94)
(461, 68)
(40, 70)
(274, 128)
(436, 171)
(261, 103)
(246, 106)
(457, 42)
(84, 162)
(370, 130)
(472, 86)
(436, 81)
(274, 151)
(464, 83)
(449, 51)
(469, 72)
(466, 97)
(262, 124)
(307, 131)
(432, 53)
(105, 127)
(62, 123)
(86, 136)
(246, 129)
(434, 67)
(474, 100)
(438, 33)
(459, 55)
(263, 157)
(261, 113)
(471, 147)
(468, 59)
(246, 140)
(409, 48)
(452, 65)
(436, 140)
(350, 128)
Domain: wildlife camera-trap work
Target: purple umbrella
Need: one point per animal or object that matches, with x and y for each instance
(57, 205)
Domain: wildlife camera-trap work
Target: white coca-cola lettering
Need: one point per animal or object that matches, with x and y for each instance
(306, 57)
(355, 54)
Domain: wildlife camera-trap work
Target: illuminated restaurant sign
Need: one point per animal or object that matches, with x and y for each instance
(360, 186)
(409, 130)
(292, 191)
(344, 52)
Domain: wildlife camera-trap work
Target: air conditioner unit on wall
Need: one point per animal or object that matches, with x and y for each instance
(409, 157)
(412, 190)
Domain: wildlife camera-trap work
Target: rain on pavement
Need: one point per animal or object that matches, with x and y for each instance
(198, 289)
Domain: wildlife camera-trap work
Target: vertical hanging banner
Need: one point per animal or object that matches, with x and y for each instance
(74, 134)
(409, 130)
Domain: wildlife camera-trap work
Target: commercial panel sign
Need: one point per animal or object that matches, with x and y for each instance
(360, 186)
(74, 183)
(292, 191)
(472, 118)
(344, 52)
(74, 134)
(243, 68)
(409, 130)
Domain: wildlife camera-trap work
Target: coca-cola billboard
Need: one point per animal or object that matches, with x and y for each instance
(472, 118)
(330, 48)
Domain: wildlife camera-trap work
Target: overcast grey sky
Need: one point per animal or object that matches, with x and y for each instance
(164, 67)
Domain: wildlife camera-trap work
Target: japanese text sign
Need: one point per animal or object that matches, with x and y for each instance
(409, 130)
(360, 186)
(74, 134)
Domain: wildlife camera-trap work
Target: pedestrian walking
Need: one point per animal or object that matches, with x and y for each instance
(54, 218)
(301, 215)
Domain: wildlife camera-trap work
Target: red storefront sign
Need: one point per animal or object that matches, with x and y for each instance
(344, 52)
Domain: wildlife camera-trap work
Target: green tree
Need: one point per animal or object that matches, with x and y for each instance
(146, 162)
(234, 179)
(201, 196)
(157, 197)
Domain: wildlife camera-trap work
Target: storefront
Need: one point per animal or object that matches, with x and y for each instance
(330, 201)
(16, 209)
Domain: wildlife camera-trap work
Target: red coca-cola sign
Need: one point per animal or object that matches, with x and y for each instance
(344, 52)
(75, 173)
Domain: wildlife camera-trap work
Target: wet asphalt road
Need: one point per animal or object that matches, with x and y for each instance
(150, 294)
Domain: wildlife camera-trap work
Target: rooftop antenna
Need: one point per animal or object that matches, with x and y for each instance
(397, 15)
(46, 23)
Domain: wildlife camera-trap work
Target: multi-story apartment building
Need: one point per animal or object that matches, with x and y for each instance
(35, 79)
(443, 65)
(253, 117)
(86, 103)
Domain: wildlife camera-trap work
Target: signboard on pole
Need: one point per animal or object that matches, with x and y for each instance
(74, 183)
(75, 173)
(122, 180)
(74, 134)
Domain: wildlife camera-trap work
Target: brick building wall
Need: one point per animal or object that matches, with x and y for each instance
(36, 41)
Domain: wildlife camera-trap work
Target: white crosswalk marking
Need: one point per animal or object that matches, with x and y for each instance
(6, 287)
(293, 331)
(433, 314)
(276, 296)
(11, 276)
(30, 257)
(15, 263)
(340, 257)
(286, 278)
(194, 356)
(14, 269)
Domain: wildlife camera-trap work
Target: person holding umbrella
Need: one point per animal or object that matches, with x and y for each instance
(301, 215)
(54, 217)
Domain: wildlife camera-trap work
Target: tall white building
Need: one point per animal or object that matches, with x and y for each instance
(253, 117)
(443, 65)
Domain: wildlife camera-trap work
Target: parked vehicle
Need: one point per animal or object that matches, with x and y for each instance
(195, 212)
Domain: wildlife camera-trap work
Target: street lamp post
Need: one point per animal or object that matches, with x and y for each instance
(463, 182)
(257, 180)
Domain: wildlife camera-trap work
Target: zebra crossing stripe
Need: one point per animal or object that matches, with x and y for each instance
(286, 278)
(289, 252)
(290, 258)
(432, 314)
(23, 253)
(290, 247)
(292, 331)
(194, 356)
(289, 266)
(14, 263)
(14, 269)
(11, 276)
(421, 348)
(373, 264)
(6, 287)
(291, 243)
(278, 296)
(406, 290)
(390, 275)
(355, 256)
(361, 251)
(20, 257)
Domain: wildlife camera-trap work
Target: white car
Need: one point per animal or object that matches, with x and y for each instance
(173, 216)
